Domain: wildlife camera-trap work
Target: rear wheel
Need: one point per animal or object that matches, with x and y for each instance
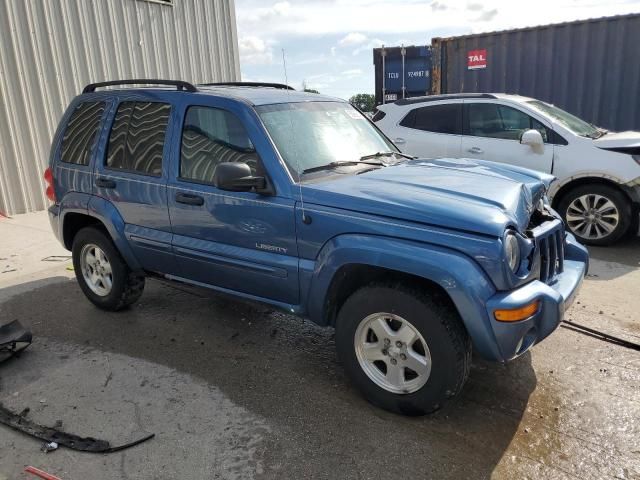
(407, 352)
(104, 277)
(596, 214)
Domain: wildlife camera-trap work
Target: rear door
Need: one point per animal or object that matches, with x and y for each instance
(431, 131)
(240, 241)
(133, 177)
(491, 131)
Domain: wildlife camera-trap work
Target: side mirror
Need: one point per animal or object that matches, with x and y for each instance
(532, 138)
(237, 177)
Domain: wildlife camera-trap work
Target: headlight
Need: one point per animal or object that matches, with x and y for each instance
(512, 251)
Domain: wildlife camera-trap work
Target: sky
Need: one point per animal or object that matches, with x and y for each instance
(328, 43)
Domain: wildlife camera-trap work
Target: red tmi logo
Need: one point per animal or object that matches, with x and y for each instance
(477, 59)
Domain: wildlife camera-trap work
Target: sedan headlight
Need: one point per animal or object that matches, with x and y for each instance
(512, 251)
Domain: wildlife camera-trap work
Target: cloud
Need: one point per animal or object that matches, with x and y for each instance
(351, 73)
(475, 7)
(438, 6)
(488, 15)
(254, 51)
(352, 39)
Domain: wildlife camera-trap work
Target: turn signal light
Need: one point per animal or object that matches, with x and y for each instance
(48, 177)
(517, 314)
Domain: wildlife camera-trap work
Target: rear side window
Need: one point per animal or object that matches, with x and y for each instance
(211, 136)
(436, 118)
(379, 115)
(137, 137)
(81, 133)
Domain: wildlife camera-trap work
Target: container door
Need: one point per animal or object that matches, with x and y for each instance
(492, 132)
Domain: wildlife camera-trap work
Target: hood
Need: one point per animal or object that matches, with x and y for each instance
(613, 140)
(464, 194)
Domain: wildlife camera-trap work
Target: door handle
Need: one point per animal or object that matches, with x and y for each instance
(189, 199)
(399, 141)
(475, 150)
(105, 183)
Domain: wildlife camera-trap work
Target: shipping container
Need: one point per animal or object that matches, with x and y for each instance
(402, 72)
(590, 68)
(50, 50)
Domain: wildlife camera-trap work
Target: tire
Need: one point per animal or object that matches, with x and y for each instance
(125, 287)
(611, 204)
(439, 326)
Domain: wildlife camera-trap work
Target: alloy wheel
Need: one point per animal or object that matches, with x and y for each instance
(96, 270)
(592, 216)
(392, 353)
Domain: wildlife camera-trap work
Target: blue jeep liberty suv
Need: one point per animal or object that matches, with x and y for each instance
(299, 201)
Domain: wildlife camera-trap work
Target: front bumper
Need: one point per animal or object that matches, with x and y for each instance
(515, 338)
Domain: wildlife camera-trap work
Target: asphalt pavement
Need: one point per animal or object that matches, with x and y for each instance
(237, 390)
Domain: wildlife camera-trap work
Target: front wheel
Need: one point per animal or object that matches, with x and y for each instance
(596, 214)
(104, 277)
(407, 352)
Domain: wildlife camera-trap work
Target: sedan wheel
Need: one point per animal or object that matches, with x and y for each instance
(592, 216)
(596, 214)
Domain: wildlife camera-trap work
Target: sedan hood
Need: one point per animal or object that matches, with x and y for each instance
(464, 194)
(618, 140)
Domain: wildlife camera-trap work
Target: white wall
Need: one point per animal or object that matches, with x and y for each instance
(50, 49)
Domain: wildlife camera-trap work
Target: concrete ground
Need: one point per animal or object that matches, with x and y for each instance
(236, 390)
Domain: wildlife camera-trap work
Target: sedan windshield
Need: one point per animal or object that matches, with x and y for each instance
(310, 135)
(573, 123)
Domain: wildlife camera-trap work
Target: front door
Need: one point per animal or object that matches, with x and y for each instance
(133, 177)
(492, 132)
(239, 241)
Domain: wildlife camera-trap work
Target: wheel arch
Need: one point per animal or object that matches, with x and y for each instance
(348, 262)
(565, 188)
(102, 214)
(353, 276)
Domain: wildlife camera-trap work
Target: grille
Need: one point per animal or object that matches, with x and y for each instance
(550, 244)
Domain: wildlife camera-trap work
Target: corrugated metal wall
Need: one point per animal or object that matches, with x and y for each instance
(50, 49)
(590, 68)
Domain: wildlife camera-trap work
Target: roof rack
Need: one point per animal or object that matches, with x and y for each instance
(445, 96)
(179, 84)
(281, 86)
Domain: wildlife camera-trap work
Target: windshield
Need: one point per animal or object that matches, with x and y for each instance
(313, 134)
(573, 123)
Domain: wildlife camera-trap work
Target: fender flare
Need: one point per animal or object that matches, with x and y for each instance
(581, 176)
(459, 276)
(109, 216)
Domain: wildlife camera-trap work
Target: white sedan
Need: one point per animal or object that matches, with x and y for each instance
(598, 172)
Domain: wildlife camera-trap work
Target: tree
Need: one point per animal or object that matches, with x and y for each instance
(364, 101)
(305, 88)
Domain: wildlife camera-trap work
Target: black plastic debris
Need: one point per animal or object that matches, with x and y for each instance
(14, 338)
(51, 436)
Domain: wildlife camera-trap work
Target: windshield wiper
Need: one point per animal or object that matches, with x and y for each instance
(387, 154)
(341, 163)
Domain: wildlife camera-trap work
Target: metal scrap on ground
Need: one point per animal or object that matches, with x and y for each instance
(14, 338)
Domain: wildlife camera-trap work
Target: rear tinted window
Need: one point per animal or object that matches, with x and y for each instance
(379, 115)
(436, 118)
(137, 137)
(81, 133)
